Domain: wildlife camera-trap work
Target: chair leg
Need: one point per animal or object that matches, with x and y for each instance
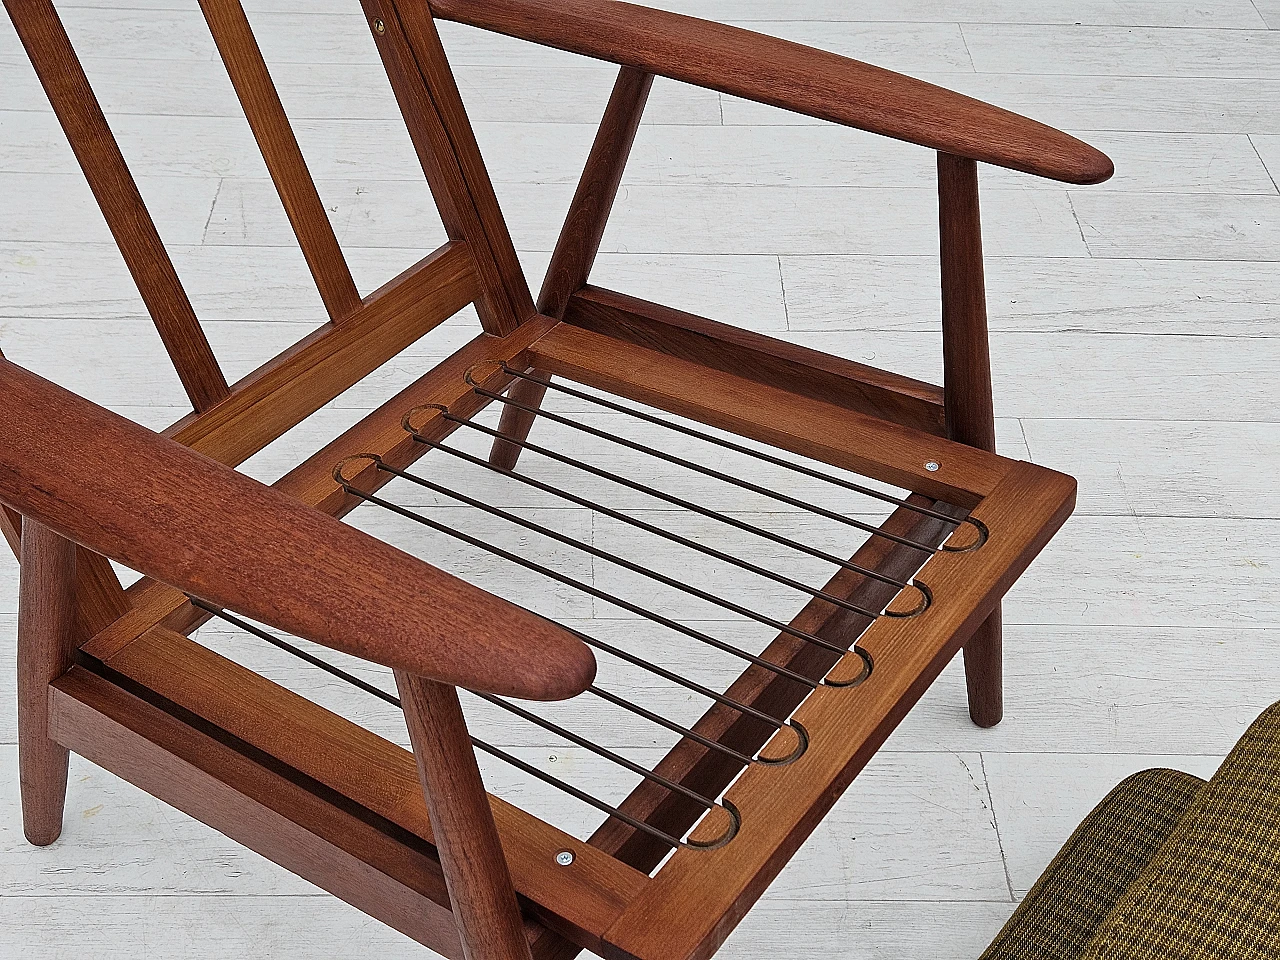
(475, 869)
(515, 423)
(46, 647)
(984, 673)
(966, 357)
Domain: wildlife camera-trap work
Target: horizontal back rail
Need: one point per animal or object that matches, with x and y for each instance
(289, 388)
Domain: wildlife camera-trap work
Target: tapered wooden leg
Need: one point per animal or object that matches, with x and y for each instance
(475, 869)
(967, 384)
(515, 423)
(46, 646)
(984, 670)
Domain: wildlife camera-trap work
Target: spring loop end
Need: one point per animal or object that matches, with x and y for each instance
(867, 666)
(798, 751)
(407, 420)
(726, 817)
(497, 365)
(339, 470)
(984, 534)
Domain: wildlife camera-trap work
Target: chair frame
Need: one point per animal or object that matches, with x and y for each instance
(412, 838)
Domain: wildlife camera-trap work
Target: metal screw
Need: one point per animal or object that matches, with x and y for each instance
(933, 466)
(564, 858)
(379, 27)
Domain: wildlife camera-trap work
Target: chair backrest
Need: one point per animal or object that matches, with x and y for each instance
(477, 265)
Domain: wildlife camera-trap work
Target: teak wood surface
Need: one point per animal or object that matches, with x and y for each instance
(411, 837)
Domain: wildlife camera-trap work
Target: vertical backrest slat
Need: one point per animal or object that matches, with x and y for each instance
(262, 106)
(420, 28)
(409, 54)
(104, 167)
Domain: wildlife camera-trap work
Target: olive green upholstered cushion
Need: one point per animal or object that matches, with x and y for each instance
(1093, 870)
(1212, 892)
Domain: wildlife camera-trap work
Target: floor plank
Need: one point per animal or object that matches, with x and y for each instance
(1230, 14)
(1038, 294)
(1073, 785)
(1123, 51)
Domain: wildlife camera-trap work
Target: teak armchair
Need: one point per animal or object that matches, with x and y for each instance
(412, 838)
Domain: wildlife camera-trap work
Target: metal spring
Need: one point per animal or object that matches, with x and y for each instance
(568, 581)
(697, 467)
(673, 537)
(746, 710)
(652, 615)
(672, 499)
(570, 789)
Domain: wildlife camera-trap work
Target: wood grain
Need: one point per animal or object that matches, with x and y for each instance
(104, 167)
(286, 818)
(151, 503)
(700, 895)
(377, 775)
(790, 76)
(709, 773)
(424, 40)
(406, 50)
(475, 868)
(312, 482)
(99, 598)
(588, 215)
(11, 527)
(46, 647)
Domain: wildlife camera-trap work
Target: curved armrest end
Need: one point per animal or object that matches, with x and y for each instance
(791, 76)
(185, 520)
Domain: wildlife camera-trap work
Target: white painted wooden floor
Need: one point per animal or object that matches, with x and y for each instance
(1134, 335)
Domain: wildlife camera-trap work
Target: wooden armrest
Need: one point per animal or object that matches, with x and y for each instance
(788, 75)
(170, 513)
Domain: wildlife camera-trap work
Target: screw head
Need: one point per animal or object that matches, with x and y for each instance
(564, 858)
(933, 466)
(379, 27)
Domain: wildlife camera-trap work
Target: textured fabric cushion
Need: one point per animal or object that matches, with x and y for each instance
(1104, 856)
(1213, 889)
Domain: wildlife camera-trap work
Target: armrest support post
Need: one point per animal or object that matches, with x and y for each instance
(579, 241)
(966, 360)
(46, 648)
(475, 869)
